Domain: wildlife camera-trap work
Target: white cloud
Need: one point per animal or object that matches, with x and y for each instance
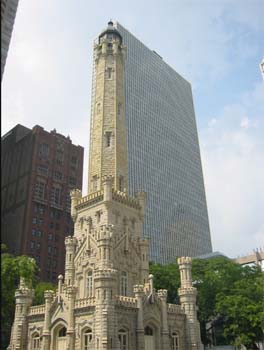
(233, 161)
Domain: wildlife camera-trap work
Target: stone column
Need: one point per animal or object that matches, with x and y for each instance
(70, 245)
(162, 293)
(107, 186)
(105, 318)
(48, 295)
(139, 293)
(76, 195)
(71, 293)
(187, 294)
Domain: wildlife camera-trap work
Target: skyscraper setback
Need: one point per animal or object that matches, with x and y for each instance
(163, 154)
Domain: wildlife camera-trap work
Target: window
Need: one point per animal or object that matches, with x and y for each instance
(175, 341)
(42, 170)
(58, 176)
(32, 245)
(50, 236)
(40, 190)
(68, 201)
(62, 332)
(43, 150)
(33, 232)
(56, 195)
(148, 331)
(89, 284)
(119, 108)
(74, 160)
(72, 181)
(123, 339)
(38, 246)
(95, 183)
(87, 339)
(108, 139)
(34, 220)
(49, 249)
(36, 342)
(108, 73)
(39, 233)
(121, 183)
(123, 284)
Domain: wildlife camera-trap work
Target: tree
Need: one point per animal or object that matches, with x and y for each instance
(39, 292)
(243, 309)
(230, 298)
(167, 276)
(12, 268)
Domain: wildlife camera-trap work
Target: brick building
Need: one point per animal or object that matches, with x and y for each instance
(38, 170)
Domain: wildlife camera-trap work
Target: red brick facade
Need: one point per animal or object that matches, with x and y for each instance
(38, 170)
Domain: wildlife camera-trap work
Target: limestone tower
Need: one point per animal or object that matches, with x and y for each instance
(108, 153)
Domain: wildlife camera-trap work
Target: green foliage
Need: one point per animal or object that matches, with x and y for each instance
(11, 270)
(243, 309)
(166, 276)
(229, 295)
(39, 292)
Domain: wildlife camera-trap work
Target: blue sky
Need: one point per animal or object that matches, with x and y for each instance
(217, 45)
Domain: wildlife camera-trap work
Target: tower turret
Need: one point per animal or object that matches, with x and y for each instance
(23, 297)
(108, 151)
(70, 245)
(187, 294)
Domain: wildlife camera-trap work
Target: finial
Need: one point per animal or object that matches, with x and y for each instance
(110, 23)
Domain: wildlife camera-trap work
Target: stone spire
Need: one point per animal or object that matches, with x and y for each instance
(108, 150)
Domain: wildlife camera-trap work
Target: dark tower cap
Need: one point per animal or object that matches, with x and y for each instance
(111, 30)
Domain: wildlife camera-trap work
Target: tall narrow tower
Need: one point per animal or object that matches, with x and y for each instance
(108, 153)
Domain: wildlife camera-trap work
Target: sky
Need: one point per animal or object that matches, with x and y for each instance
(217, 45)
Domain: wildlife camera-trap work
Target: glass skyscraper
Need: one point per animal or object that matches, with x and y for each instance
(163, 154)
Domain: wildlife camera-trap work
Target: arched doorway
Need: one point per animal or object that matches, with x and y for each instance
(61, 339)
(149, 338)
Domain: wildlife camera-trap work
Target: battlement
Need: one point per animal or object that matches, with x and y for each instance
(123, 198)
(81, 303)
(184, 260)
(37, 310)
(187, 291)
(105, 273)
(174, 309)
(70, 240)
(91, 199)
(126, 301)
(76, 193)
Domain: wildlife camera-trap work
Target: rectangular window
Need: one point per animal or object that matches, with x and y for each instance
(34, 220)
(43, 150)
(58, 175)
(42, 170)
(56, 195)
(40, 190)
(72, 181)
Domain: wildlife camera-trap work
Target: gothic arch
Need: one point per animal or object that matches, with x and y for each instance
(56, 327)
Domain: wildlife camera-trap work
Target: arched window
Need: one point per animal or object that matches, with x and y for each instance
(35, 342)
(87, 339)
(62, 332)
(148, 331)
(123, 283)
(89, 284)
(175, 341)
(123, 339)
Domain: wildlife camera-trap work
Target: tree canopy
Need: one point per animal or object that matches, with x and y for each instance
(230, 298)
